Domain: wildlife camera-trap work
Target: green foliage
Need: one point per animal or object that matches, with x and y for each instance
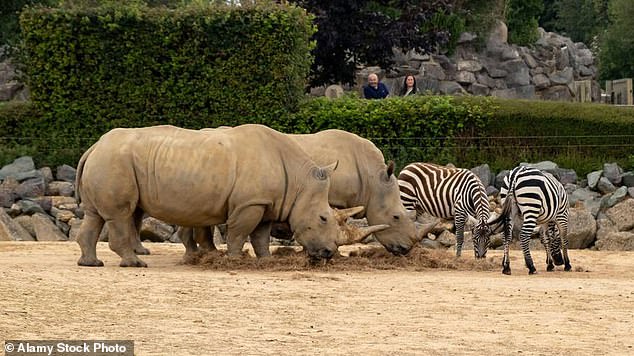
(577, 136)
(616, 44)
(9, 16)
(407, 129)
(466, 131)
(521, 19)
(450, 23)
(581, 20)
(91, 69)
(365, 32)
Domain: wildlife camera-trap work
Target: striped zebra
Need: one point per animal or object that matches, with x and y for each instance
(539, 199)
(448, 193)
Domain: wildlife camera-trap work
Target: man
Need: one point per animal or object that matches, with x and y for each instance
(375, 89)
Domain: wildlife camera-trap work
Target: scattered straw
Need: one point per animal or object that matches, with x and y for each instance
(367, 259)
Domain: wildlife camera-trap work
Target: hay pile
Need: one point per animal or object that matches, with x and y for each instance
(366, 259)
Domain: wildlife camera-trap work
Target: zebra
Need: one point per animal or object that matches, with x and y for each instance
(446, 192)
(539, 199)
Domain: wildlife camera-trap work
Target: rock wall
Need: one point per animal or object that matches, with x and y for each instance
(554, 68)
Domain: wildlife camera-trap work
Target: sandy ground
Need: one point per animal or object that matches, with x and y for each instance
(176, 309)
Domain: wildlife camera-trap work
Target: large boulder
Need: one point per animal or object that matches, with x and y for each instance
(582, 228)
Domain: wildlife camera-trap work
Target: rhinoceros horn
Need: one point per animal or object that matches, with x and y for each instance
(350, 234)
(343, 214)
(423, 229)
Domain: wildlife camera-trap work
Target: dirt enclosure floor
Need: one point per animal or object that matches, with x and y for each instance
(372, 305)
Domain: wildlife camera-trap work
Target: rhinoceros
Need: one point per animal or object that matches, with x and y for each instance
(362, 179)
(245, 176)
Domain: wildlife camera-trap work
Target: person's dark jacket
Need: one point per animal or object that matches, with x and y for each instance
(379, 93)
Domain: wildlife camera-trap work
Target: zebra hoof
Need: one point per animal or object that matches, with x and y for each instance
(550, 268)
(507, 271)
(532, 271)
(568, 268)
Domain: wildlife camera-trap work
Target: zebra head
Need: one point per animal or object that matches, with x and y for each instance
(552, 240)
(481, 238)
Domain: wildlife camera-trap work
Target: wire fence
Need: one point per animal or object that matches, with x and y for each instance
(462, 150)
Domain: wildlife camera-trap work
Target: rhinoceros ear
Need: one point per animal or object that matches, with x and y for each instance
(390, 168)
(323, 173)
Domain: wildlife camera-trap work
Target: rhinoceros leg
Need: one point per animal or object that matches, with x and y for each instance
(260, 239)
(87, 239)
(186, 235)
(139, 249)
(122, 232)
(204, 237)
(239, 225)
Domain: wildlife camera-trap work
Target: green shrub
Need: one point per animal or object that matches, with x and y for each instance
(91, 69)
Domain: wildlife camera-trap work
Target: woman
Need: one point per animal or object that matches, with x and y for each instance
(409, 86)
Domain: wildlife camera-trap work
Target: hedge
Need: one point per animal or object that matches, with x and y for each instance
(91, 69)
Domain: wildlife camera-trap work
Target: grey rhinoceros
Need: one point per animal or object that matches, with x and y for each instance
(362, 179)
(245, 176)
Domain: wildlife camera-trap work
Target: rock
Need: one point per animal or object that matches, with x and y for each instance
(31, 188)
(47, 174)
(60, 188)
(66, 173)
(11, 230)
(630, 192)
(447, 239)
(627, 179)
(499, 178)
(479, 89)
(22, 164)
(469, 65)
(451, 88)
(431, 244)
(8, 193)
(562, 77)
(565, 176)
(45, 229)
(593, 179)
(545, 166)
(483, 172)
(30, 207)
(155, 230)
(622, 215)
(604, 186)
(334, 91)
(557, 93)
(464, 77)
(619, 195)
(524, 92)
(613, 173)
(541, 81)
(27, 223)
(582, 194)
(582, 228)
(616, 241)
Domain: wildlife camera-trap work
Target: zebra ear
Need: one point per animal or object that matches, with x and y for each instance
(390, 168)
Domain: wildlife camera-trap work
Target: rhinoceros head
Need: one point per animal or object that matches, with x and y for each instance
(319, 228)
(385, 207)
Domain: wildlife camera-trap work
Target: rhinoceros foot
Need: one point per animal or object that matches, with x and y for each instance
(140, 250)
(132, 262)
(90, 262)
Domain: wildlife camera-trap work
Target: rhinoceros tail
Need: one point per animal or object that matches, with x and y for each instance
(80, 170)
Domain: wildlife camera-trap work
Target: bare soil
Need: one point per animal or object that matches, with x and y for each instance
(368, 303)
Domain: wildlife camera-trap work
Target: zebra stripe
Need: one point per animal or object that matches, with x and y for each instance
(448, 193)
(540, 199)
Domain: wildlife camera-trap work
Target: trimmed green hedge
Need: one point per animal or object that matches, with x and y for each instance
(465, 131)
(201, 65)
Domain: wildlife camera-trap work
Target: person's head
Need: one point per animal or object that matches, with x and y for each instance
(410, 81)
(373, 80)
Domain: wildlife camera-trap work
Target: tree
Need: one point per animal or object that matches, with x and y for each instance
(617, 44)
(521, 19)
(356, 32)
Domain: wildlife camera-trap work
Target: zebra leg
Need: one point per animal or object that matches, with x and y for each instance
(525, 238)
(563, 229)
(508, 234)
(460, 220)
(546, 237)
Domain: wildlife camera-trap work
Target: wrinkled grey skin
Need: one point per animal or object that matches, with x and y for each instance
(361, 179)
(245, 176)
